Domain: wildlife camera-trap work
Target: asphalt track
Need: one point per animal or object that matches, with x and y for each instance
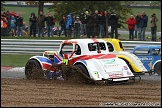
(18, 72)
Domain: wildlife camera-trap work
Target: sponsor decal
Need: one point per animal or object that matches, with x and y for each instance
(125, 67)
(146, 58)
(110, 65)
(109, 61)
(129, 73)
(116, 75)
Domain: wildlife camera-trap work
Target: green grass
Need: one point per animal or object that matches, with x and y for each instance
(26, 11)
(16, 60)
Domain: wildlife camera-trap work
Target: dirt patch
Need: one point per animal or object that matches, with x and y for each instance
(76, 91)
(57, 93)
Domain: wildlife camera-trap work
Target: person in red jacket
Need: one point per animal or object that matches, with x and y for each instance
(131, 25)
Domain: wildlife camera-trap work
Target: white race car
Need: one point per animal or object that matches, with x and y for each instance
(90, 55)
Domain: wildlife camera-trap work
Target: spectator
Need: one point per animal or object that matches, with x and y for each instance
(106, 17)
(19, 24)
(102, 24)
(153, 21)
(114, 25)
(83, 17)
(1, 25)
(77, 25)
(72, 25)
(142, 26)
(8, 16)
(69, 25)
(41, 24)
(50, 24)
(62, 23)
(138, 19)
(4, 28)
(96, 27)
(13, 26)
(25, 32)
(90, 22)
(33, 24)
(131, 25)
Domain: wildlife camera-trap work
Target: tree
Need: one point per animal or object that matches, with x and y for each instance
(70, 7)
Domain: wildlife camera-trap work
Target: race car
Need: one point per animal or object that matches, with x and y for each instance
(116, 47)
(150, 56)
(90, 55)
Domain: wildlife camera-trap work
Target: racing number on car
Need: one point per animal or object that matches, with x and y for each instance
(96, 74)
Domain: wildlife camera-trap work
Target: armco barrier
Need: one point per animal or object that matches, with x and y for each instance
(28, 46)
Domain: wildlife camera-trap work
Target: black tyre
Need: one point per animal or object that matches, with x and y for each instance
(157, 68)
(33, 70)
(83, 69)
(130, 67)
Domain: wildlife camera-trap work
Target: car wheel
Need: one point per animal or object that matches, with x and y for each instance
(33, 70)
(157, 68)
(130, 67)
(83, 69)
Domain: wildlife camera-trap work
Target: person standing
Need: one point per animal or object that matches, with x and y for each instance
(102, 24)
(1, 25)
(138, 19)
(62, 24)
(90, 23)
(131, 25)
(8, 16)
(96, 27)
(114, 25)
(69, 25)
(50, 24)
(19, 24)
(77, 25)
(142, 26)
(41, 24)
(13, 25)
(83, 17)
(33, 24)
(153, 21)
(4, 26)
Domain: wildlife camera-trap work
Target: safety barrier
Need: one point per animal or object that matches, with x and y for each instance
(28, 46)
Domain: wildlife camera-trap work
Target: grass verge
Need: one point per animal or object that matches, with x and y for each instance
(15, 60)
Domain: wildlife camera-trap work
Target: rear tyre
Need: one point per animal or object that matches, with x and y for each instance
(157, 68)
(33, 70)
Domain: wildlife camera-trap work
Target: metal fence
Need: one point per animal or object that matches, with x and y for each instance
(28, 46)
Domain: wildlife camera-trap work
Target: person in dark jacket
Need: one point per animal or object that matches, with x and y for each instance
(90, 23)
(8, 16)
(83, 17)
(41, 24)
(131, 25)
(153, 21)
(138, 19)
(50, 24)
(102, 24)
(114, 25)
(33, 24)
(19, 24)
(97, 27)
(62, 24)
(142, 26)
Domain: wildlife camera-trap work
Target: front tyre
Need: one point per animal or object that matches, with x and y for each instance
(83, 69)
(33, 70)
(157, 68)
